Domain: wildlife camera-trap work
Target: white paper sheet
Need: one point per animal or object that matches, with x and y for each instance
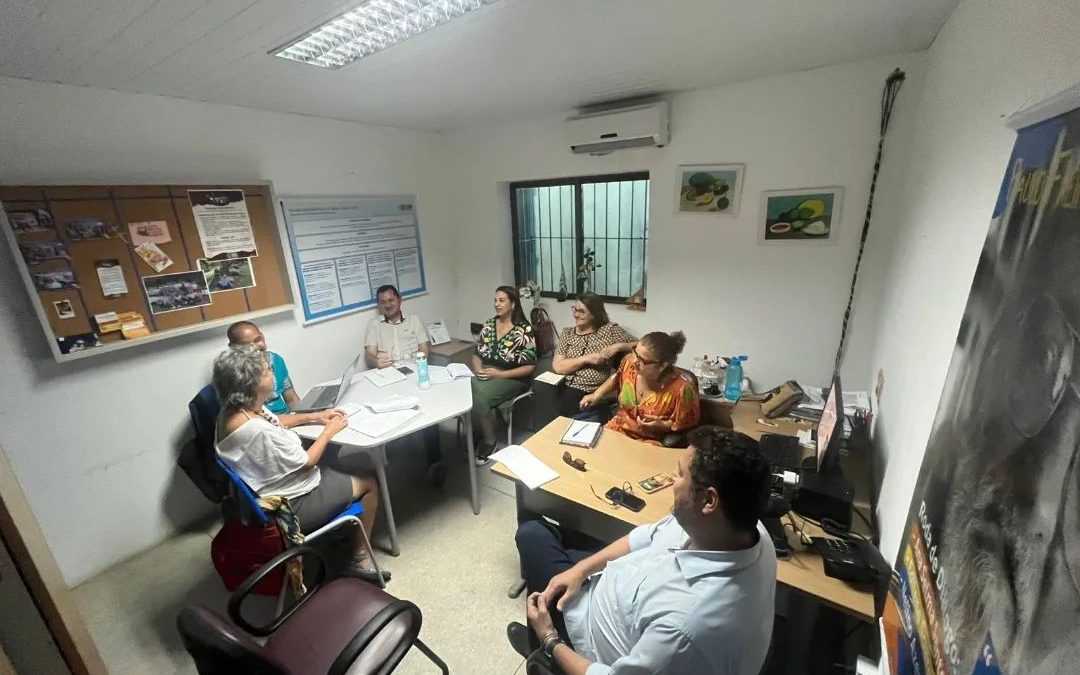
(529, 470)
(379, 424)
(382, 377)
(439, 375)
(394, 402)
(437, 332)
(550, 377)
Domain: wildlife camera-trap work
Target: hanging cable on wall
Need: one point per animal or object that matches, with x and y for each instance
(888, 98)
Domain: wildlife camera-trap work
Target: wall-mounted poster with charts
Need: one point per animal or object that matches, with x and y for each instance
(344, 248)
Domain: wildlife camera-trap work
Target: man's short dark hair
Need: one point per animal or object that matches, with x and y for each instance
(731, 463)
(234, 330)
(387, 288)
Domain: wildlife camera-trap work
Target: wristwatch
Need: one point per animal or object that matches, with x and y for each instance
(550, 643)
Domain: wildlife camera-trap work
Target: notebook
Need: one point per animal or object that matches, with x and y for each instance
(581, 434)
(459, 370)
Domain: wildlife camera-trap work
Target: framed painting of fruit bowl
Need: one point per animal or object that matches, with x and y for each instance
(709, 188)
(811, 214)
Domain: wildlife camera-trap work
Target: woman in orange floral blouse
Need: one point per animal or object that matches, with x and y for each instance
(655, 397)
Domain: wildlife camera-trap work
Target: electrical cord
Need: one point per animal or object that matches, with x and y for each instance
(888, 99)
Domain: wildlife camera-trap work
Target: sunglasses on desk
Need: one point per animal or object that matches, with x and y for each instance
(578, 464)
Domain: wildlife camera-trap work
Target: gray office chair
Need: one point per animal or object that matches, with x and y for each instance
(510, 415)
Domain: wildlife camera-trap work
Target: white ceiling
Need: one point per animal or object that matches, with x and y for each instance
(516, 58)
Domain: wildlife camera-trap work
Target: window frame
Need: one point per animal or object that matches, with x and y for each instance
(579, 226)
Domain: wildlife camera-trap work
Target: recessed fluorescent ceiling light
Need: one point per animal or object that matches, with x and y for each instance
(372, 27)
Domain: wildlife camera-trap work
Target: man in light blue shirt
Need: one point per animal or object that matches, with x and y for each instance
(692, 593)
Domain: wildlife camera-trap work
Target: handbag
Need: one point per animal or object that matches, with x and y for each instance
(780, 400)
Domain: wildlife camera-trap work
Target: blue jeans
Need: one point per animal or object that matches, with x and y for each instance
(544, 552)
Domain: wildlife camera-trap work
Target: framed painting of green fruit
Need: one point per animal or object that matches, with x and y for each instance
(709, 188)
(800, 215)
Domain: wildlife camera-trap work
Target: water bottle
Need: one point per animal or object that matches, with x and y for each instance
(422, 377)
(733, 386)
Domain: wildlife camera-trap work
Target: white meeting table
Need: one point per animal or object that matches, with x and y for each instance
(440, 402)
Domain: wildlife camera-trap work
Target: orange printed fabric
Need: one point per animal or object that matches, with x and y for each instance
(677, 402)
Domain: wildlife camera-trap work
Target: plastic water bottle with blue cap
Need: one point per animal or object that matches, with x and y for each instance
(733, 386)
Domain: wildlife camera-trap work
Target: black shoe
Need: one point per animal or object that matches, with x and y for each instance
(355, 569)
(482, 453)
(437, 474)
(518, 635)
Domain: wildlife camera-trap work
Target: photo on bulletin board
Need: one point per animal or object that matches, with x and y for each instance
(87, 229)
(710, 188)
(54, 280)
(227, 275)
(33, 220)
(172, 292)
(78, 343)
(40, 251)
(800, 215)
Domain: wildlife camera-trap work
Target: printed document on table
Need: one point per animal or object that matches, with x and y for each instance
(394, 402)
(381, 377)
(530, 470)
(439, 375)
(379, 424)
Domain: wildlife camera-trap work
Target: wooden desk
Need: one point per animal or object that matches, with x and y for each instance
(617, 459)
(455, 351)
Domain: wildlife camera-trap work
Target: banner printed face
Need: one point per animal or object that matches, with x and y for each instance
(988, 575)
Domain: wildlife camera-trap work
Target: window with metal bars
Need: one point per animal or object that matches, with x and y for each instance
(573, 235)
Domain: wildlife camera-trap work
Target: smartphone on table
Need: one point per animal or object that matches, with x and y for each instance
(656, 483)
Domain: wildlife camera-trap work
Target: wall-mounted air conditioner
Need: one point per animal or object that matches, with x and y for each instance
(635, 126)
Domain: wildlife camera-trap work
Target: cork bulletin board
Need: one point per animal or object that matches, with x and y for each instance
(112, 266)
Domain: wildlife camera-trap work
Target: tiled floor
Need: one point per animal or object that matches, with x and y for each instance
(454, 565)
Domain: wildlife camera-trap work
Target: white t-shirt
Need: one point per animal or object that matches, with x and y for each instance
(269, 458)
(403, 337)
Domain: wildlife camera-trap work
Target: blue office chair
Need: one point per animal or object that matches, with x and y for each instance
(198, 458)
(247, 509)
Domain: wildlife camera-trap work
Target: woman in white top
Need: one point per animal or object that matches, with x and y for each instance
(270, 458)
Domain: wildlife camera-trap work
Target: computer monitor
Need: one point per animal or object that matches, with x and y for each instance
(830, 430)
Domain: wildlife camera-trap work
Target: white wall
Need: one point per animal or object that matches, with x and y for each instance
(708, 276)
(989, 60)
(93, 442)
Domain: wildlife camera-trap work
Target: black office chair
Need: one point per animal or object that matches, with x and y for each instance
(344, 626)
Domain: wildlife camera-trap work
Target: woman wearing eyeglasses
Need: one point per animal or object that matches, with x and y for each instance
(584, 355)
(655, 397)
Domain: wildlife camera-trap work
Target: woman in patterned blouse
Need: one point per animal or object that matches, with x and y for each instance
(585, 354)
(655, 396)
(505, 358)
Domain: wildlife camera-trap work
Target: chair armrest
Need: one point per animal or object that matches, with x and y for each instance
(371, 630)
(251, 582)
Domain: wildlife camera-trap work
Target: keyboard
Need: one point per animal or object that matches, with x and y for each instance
(783, 451)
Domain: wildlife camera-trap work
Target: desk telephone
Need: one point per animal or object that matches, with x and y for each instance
(844, 559)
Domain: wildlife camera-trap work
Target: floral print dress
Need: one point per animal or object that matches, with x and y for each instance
(676, 402)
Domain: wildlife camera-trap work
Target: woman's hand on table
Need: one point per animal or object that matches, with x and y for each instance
(325, 416)
(335, 424)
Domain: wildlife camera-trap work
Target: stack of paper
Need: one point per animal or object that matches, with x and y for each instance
(393, 403)
(529, 470)
(382, 377)
(379, 424)
(550, 377)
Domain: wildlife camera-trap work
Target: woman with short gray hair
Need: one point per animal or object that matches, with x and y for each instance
(270, 458)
